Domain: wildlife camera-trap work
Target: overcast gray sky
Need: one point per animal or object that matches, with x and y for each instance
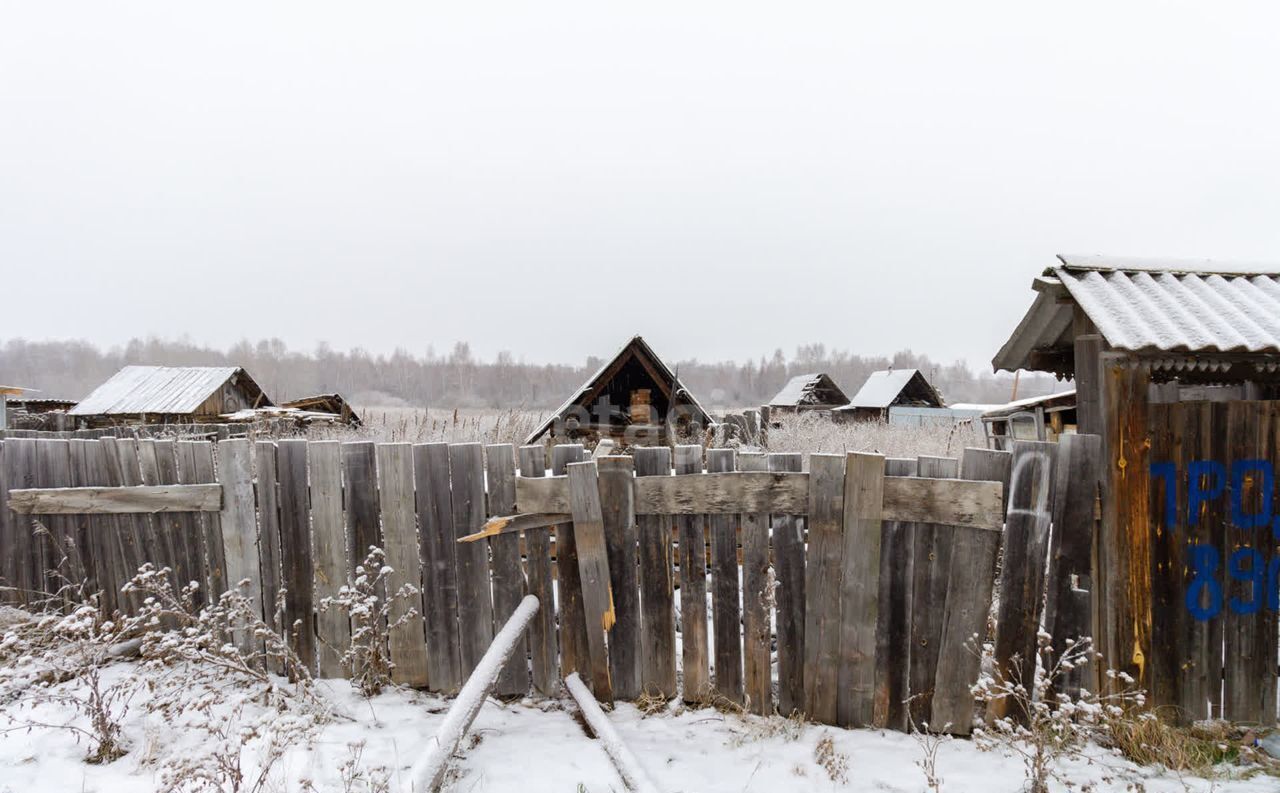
(548, 178)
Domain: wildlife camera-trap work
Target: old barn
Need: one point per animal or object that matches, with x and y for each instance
(888, 389)
(806, 392)
(169, 394)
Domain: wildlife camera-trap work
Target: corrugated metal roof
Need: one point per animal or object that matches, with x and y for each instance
(800, 389)
(882, 388)
(155, 389)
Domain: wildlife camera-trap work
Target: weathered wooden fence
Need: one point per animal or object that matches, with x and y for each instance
(878, 574)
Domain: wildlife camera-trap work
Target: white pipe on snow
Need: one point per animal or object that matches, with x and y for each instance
(429, 771)
(629, 768)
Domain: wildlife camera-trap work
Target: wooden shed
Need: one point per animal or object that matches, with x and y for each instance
(809, 392)
(890, 388)
(169, 394)
(633, 398)
(1155, 346)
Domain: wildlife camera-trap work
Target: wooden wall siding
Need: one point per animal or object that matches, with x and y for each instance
(1068, 606)
(299, 517)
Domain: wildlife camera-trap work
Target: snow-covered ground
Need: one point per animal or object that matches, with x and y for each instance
(541, 746)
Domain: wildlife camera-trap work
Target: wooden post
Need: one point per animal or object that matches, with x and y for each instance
(693, 587)
(437, 536)
(593, 565)
(628, 767)
(823, 575)
(508, 576)
(725, 596)
(931, 567)
(756, 597)
(657, 602)
(789, 605)
(617, 502)
(893, 630)
(543, 647)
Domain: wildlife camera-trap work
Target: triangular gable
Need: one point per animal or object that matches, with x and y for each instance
(809, 389)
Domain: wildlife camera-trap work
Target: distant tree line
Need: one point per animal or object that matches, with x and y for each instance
(71, 369)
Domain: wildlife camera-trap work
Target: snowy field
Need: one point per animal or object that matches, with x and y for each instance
(370, 745)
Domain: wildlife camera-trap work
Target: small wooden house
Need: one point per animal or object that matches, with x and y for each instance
(169, 395)
(806, 392)
(887, 389)
(1041, 418)
(633, 398)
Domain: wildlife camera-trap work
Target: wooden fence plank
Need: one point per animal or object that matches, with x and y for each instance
(196, 467)
(14, 559)
(53, 460)
(406, 640)
(726, 618)
(508, 576)
(893, 629)
(329, 552)
(543, 647)
(239, 525)
(88, 527)
(931, 566)
(269, 562)
(1022, 573)
(295, 551)
(859, 588)
(822, 586)
(693, 585)
(116, 570)
(124, 470)
(439, 567)
(1166, 555)
(1068, 607)
(180, 529)
(593, 564)
(757, 594)
(1200, 684)
(616, 480)
(573, 621)
(657, 602)
(116, 500)
(360, 488)
(968, 599)
(164, 534)
(475, 601)
(789, 606)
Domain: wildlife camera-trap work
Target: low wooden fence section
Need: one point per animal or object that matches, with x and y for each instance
(877, 573)
(211, 431)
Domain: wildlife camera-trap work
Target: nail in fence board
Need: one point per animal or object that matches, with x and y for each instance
(859, 588)
(968, 599)
(593, 564)
(439, 567)
(789, 605)
(295, 550)
(195, 466)
(657, 602)
(693, 586)
(931, 567)
(756, 597)
(239, 527)
(616, 479)
(1022, 573)
(543, 647)
(822, 586)
(89, 526)
(725, 616)
(329, 552)
(1068, 608)
(181, 530)
(573, 621)
(508, 576)
(400, 542)
(893, 628)
(265, 459)
(475, 602)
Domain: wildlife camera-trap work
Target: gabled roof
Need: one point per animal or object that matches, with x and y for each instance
(1151, 305)
(809, 389)
(663, 377)
(171, 390)
(882, 389)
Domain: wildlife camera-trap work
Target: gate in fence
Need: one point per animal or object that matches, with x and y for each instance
(878, 574)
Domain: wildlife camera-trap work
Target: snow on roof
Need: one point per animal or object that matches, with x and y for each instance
(156, 389)
(1131, 264)
(798, 391)
(882, 388)
(1017, 405)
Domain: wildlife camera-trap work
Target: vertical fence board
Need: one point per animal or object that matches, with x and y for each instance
(725, 616)
(68, 569)
(693, 587)
(968, 599)
(196, 467)
(756, 597)
(115, 571)
(893, 629)
(1166, 556)
(508, 576)
(439, 566)
(123, 470)
(657, 602)
(859, 588)
(165, 530)
(593, 564)
(573, 622)
(360, 488)
(1069, 604)
(617, 504)
(87, 526)
(1200, 682)
(1022, 573)
(180, 532)
(789, 599)
(329, 552)
(295, 550)
(475, 601)
(543, 647)
(268, 491)
(822, 586)
(239, 527)
(931, 566)
(400, 542)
